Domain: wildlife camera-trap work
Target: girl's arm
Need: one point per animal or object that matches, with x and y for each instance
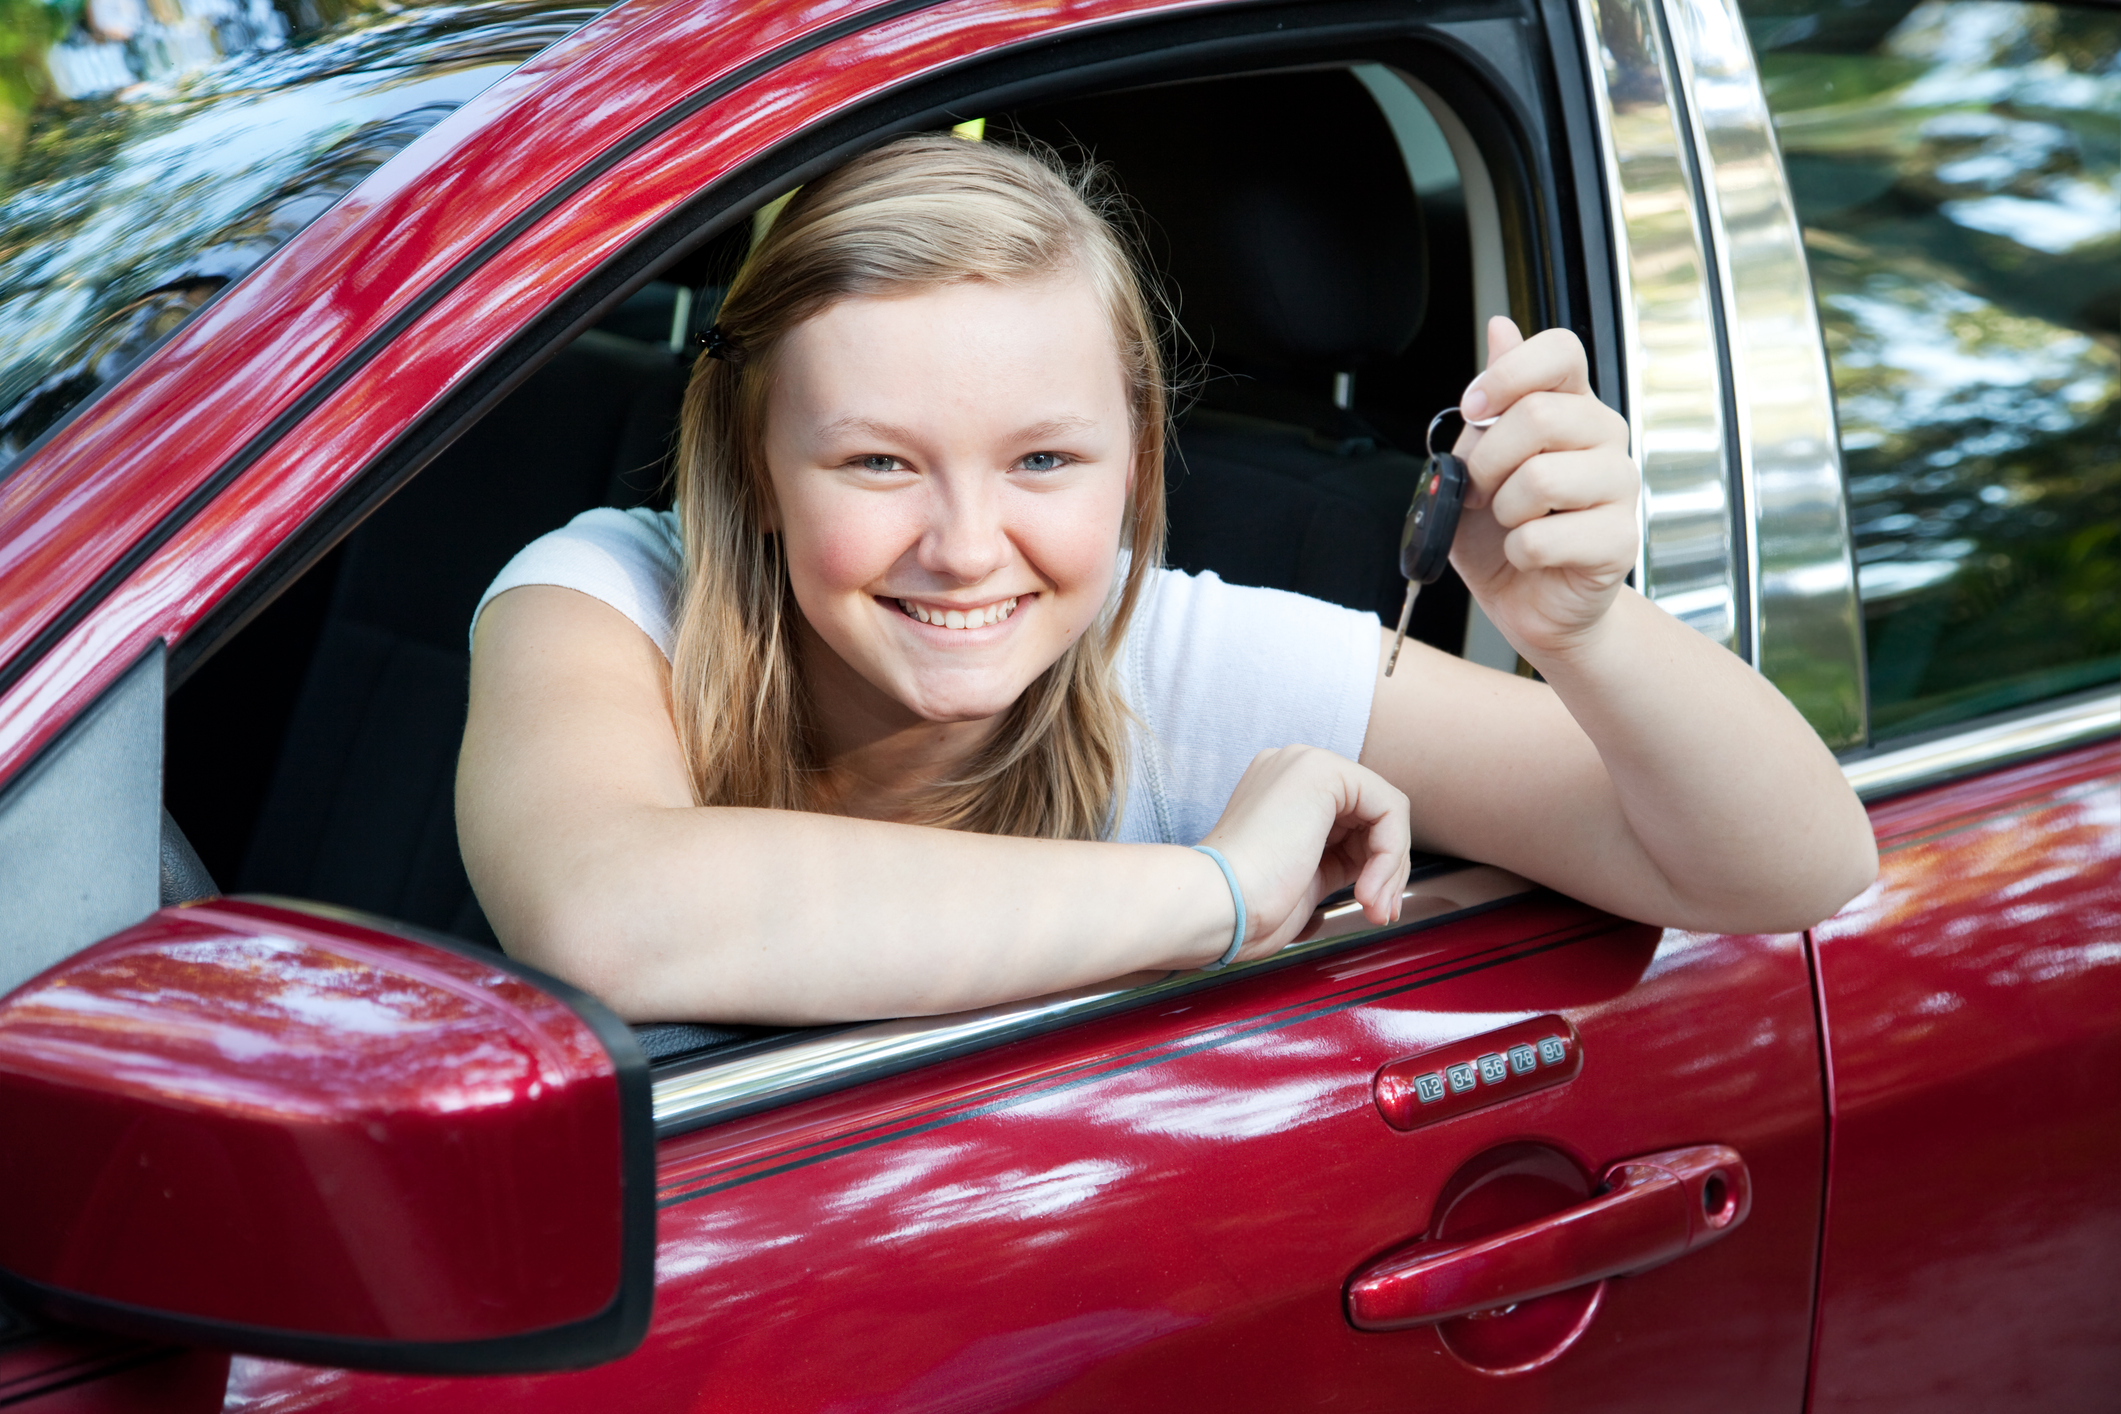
(591, 861)
(1653, 774)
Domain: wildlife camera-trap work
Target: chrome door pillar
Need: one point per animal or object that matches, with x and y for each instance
(1807, 625)
(1745, 520)
(1690, 559)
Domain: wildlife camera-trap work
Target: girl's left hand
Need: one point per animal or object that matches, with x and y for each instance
(1549, 530)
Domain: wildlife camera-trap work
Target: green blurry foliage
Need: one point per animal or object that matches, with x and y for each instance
(1957, 168)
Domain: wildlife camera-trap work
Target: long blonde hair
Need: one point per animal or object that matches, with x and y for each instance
(916, 213)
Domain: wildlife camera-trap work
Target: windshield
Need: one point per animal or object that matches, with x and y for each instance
(152, 151)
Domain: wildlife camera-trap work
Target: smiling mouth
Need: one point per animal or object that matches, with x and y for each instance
(982, 616)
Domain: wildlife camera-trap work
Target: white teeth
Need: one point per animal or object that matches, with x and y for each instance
(981, 617)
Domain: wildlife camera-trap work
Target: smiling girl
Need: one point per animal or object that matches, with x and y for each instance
(896, 713)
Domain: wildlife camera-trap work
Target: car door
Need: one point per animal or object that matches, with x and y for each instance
(1971, 998)
(1162, 1208)
(1155, 1196)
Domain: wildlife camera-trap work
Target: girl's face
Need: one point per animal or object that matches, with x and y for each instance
(950, 473)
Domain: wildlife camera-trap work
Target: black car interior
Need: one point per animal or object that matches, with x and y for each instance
(314, 754)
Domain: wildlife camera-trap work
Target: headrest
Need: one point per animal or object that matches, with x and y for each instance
(1279, 207)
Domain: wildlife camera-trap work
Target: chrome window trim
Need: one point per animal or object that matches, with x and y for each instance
(2038, 731)
(1806, 619)
(689, 1097)
(1674, 368)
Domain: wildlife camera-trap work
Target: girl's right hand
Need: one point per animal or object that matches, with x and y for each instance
(1302, 824)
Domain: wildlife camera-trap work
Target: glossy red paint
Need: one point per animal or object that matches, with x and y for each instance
(1972, 998)
(132, 459)
(243, 1114)
(1176, 1163)
(1649, 1211)
(1471, 1075)
(89, 1374)
(75, 508)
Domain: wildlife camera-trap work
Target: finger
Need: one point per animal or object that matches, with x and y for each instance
(1387, 837)
(1367, 847)
(1554, 482)
(1600, 543)
(1503, 335)
(1381, 885)
(1358, 867)
(1552, 360)
(1535, 424)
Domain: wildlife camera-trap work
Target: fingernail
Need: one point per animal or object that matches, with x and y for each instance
(1473, 404)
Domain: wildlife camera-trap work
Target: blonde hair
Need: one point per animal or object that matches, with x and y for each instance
(916, 213)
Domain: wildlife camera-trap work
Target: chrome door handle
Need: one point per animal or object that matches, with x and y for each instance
(1651, 1210)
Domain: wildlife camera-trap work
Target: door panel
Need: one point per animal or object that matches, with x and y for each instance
(1159, 1210)
(1973, 1004)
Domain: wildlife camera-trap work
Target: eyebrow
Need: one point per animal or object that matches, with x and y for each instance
(888, 432)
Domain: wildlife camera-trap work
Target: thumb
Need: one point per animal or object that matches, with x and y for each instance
(1503, 335)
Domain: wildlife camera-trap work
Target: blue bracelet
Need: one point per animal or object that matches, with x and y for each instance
(1237, 896)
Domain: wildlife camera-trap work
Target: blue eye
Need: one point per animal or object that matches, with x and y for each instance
(1044, 461)
(879, 462)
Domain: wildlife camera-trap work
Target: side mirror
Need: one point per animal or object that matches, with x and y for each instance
(280, 1130)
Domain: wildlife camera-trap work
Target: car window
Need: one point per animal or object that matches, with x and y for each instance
(1956, 166)
(151, 154)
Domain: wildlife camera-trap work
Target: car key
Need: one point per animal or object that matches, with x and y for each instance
(1431, 526)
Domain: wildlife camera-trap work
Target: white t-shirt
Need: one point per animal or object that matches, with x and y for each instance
(1217, 672)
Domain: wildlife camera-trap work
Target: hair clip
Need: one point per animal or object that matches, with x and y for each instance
(717, 344)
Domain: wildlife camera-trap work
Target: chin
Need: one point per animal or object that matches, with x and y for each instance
(962, 702)
(959, 709)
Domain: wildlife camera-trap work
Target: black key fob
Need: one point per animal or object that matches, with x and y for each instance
(1432, 521)
(1432, 524)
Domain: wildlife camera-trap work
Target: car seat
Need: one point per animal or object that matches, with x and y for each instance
(359, 811)
(1278, 210)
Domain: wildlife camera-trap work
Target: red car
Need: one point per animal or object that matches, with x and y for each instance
(311, 317)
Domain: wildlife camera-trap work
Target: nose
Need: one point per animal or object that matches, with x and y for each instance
(965, 539)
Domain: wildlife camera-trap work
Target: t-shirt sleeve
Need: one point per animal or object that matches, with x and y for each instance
(630, 560)
(1220, 672)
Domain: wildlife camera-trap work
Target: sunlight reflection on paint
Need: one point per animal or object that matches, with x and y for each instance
(1006, 1196)
(1203, 1113)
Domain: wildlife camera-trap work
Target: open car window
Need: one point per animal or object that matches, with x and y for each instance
(313, 755)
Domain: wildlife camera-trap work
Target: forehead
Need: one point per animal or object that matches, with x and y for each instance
(967, 347)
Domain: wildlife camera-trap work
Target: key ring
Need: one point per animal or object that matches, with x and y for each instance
(1477, 424)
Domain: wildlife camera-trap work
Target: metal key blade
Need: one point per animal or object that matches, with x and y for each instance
(1406, 612)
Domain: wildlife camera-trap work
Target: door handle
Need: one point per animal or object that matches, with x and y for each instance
(1649, 1211)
